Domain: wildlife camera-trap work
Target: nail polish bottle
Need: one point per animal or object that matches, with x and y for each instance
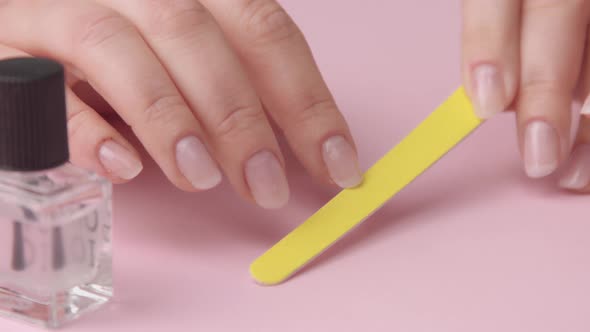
(55, 218)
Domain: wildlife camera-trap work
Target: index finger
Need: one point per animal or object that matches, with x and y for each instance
(491, 53)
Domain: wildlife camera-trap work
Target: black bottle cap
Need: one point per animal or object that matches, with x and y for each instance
(33, 125)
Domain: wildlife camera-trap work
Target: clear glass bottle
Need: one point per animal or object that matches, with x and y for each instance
(55, 219)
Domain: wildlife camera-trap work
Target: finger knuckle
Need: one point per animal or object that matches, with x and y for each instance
(239, 120)
(78, 120)
(164, 110)
(311, 112)
(543, 84)
(171, 19)
(98, 27)
(476, 36)
(268, 22)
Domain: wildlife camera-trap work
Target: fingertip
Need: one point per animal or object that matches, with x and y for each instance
(116, 180)
(196, 164)
(490, 53)
(487, 90)
(341, 162)
(97, 146)
(119, 161)
(267, 181)
(576, 175)
(541, 149)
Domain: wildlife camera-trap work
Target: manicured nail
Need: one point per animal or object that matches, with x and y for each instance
(577, 173)
(341, 161)
(196, 164)
(266, 178)
(586, 107)
(119, 161)
(488, 87)
(541, 149)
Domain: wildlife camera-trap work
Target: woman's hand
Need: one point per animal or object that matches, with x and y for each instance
(531, 55)
(198, 82)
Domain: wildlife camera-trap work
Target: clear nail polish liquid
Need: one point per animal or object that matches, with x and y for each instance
(55, 219)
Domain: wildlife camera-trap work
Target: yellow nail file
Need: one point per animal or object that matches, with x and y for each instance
(436, 135)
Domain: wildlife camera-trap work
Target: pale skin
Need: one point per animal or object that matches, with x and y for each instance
(201, 82)
(532, 56)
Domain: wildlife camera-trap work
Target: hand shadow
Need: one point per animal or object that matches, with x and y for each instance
(219, 218)
(216, 218)
(435, 195)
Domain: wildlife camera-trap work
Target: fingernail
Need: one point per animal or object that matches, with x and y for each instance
(577, 173)
(119, 161)
(266, 178)
(196, 164)
(586, 107)
(488, 88)
(341, 161)
(541, 149)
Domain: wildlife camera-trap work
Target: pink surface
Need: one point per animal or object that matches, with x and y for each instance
(470, 246)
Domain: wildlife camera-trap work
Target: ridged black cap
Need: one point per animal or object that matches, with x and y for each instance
(33, 127)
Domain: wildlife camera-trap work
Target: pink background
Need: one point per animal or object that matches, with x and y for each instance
(472, 245)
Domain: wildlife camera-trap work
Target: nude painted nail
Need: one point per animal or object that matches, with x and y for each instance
(119, 161)
(341, 162)
(488, 87)
(541, 149)
(266, 178)
(196, 164)
(585, 110)
(577, 172)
